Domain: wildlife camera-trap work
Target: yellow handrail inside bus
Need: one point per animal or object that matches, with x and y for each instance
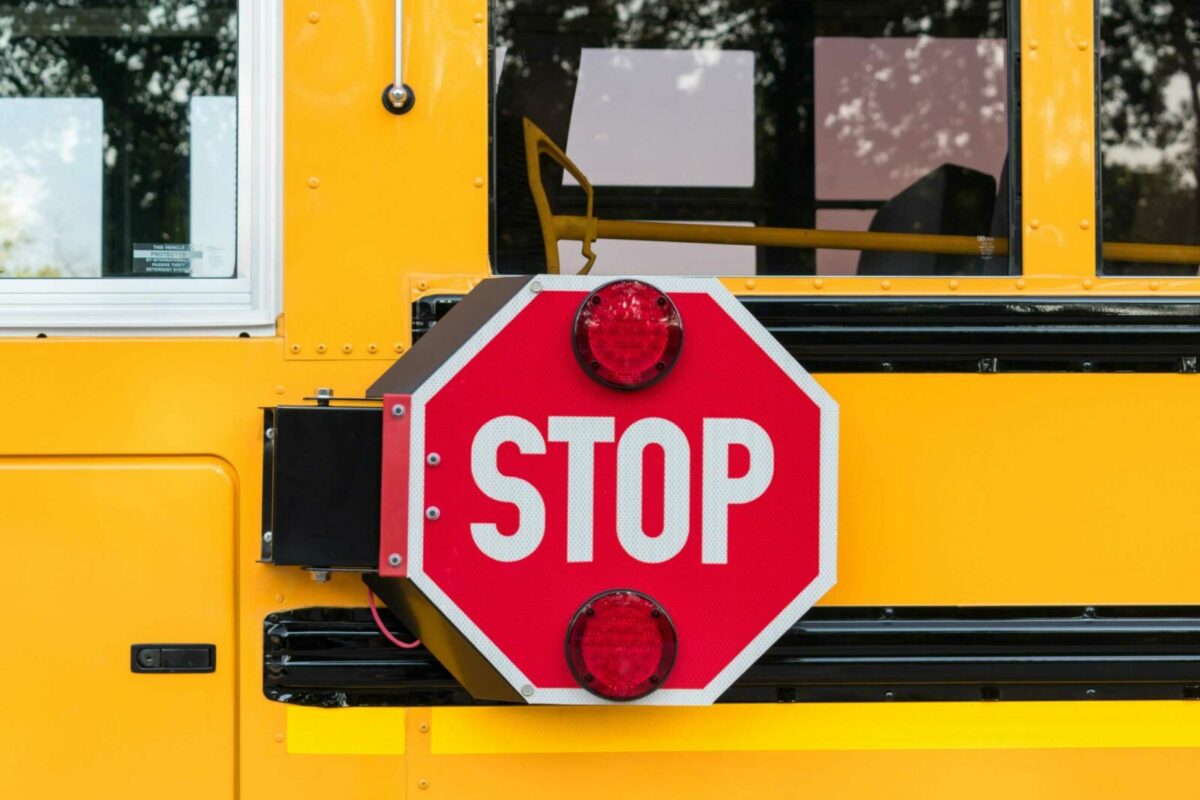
(589, 228)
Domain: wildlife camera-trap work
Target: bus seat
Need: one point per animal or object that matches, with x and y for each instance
(950, 200)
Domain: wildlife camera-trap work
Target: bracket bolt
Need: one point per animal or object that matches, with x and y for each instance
(399, 410)
(433, 513)
(433, 459)
(527, 690)
(395, 560)
(268, 536)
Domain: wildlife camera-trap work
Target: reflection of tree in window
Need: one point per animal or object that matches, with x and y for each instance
(541, 43)
(145, 61)
(1149, 107)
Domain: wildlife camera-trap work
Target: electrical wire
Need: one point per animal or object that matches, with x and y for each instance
(387, 634)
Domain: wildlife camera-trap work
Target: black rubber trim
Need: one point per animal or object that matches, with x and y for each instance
(1012, 334)
(336, 657)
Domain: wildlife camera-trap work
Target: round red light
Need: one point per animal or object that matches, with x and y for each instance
(627, 334)
(621, 645)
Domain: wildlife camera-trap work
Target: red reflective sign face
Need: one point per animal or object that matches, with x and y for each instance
(707, 491)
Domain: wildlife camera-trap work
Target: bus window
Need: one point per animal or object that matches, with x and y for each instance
(826, 138)
(119, 139)
(1149, 137)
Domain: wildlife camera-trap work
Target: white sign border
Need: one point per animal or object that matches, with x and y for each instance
(827, 572)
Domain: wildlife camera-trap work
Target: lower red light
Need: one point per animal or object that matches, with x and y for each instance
(621, 645)
(627, 334)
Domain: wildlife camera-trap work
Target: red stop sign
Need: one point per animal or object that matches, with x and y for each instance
(516, 487)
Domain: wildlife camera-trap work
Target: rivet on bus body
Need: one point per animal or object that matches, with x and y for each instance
(478, 17)
(1083, 44)
(478, 182)
(1154, 286)
(1033, 44)
(423, 784)
(321, 349)
(423, 727)
(278, 598)
(314, 17)
(347, 348)
(953, 285)
(398, 347)
(279, 737)
(1084, 224)
(295, 348)
(818, 283)
(1034, 224)
(433, 459)
(433, 513)
(314, 182)
(885, 285)
(750, 284)
(1021, 283)
(1087, 283)
(372, 348)
(422, 286)
(279, 389)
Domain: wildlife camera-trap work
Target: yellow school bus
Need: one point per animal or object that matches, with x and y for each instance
(975, 222)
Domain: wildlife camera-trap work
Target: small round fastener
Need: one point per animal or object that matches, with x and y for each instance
(535, 287)
(1033, 44)
(433, 459)
(314, 17)
(314, 182)
(1084, 224)
(279, 737)
(347, 348)
(818, 283)
(478, 17)
(1035, 223)
(321, 349)
(398, 347)
(885, 285)
(395, 560)
(279, 389)
(527, 690)
(398, 99)
(750, 284)
(1084, 44)
(1021, 283)
(423, 727)
(268, 536)
(433, 513)
(953, 285)
(372, 348)
(422, 784)
(1087, 283)
(478, 182)
(295, 348)
(1154, 286)
(398, 410)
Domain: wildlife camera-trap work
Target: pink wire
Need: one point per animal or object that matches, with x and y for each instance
(385, 631)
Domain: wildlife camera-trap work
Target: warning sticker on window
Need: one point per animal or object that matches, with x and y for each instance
(164, 260)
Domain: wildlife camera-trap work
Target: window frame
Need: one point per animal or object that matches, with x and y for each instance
(247, 303)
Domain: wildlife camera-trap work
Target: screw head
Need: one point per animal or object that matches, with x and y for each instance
(432, 513)
(270, 433)
(399, 410)
(535, 287)
(397, 96)
(395, 560)
(433, 459)
(268, 536)
(527, 690)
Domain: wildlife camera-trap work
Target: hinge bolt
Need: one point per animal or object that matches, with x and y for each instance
(395, 560)
(399, 410)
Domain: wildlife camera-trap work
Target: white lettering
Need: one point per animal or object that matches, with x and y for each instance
(531, 509)
(676, 472)
(721, 491)
(581, 435)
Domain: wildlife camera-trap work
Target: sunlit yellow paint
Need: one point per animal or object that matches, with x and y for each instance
(345, 731)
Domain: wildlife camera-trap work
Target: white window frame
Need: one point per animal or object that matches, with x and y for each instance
(248, 303)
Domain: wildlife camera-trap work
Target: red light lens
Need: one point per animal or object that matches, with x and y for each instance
(627, 334)
(621, 645)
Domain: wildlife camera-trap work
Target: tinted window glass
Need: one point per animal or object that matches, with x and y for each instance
(118, 139)
(862, 118)
(1149, 107)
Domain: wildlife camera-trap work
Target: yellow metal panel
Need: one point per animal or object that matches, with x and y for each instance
(103, 553)
(814, 726)
(846, 775)
(1058, 129)
(345, 731)
(369, 196)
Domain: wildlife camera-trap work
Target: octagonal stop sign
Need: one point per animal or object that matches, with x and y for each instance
(517, 488)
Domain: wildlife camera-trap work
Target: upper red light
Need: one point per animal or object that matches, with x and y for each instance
(627, 334)
(621, 645)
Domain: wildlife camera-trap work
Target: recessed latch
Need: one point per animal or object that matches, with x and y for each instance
(173, 657)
